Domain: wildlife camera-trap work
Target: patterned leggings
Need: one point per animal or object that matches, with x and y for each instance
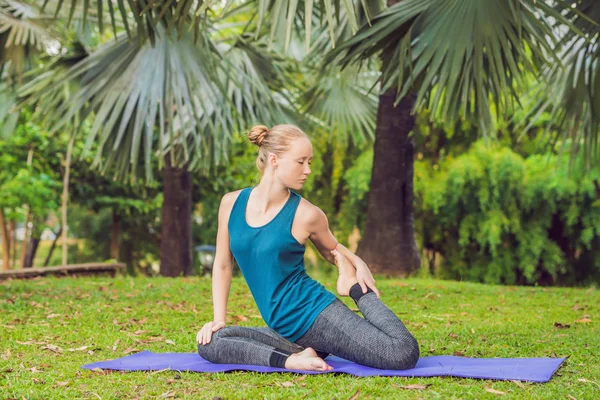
(380, 340)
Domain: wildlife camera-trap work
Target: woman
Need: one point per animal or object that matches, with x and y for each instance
(266, 228)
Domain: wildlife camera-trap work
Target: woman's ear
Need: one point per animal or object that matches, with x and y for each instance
(273, 159)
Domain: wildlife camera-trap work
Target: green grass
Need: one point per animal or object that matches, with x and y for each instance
(111, 316)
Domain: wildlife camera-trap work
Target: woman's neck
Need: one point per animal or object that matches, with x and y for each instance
(268, 195)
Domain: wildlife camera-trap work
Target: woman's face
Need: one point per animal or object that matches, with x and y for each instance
(294, 166)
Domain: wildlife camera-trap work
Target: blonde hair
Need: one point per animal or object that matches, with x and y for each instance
(275, 140)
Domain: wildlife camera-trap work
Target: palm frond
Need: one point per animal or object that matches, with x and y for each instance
(460, 58)
(570, 92)
(342, 104)
(22, 29)
(141, 18)
(8, 115)
(166, 100)
(285, 15)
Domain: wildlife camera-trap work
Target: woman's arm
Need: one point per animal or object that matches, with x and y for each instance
(325, 242)
(223, 264)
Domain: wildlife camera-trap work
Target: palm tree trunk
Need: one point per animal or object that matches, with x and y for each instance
(176, 230)
(114, 236)
(388, 242)
(5, 242)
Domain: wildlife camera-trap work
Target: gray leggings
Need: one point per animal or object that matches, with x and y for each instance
(380, 340)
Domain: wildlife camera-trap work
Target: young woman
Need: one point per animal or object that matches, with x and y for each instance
(265, 228)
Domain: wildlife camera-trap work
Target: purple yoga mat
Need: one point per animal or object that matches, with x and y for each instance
(522, 369)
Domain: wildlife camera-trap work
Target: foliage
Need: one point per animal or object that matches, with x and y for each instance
(496, 217)
(26, 182)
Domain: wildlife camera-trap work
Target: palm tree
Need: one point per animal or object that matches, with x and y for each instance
(183, 110)
(459, 59)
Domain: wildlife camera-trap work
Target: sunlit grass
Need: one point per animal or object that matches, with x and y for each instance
(50, 327)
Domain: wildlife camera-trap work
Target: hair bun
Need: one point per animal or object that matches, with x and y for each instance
(257, 134)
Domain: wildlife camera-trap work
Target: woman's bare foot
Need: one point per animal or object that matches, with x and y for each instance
(347, 277)
(307, 360)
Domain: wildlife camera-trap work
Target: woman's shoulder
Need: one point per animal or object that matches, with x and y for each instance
(229, 198)
(307, 211)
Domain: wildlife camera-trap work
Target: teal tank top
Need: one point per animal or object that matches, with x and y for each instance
(272, 263)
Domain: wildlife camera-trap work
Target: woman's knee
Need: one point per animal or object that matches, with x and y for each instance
(406, 354)
(208, 350)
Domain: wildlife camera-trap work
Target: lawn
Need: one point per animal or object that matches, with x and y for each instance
(50, 327)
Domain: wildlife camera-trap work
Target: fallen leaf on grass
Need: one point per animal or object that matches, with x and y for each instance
(52, 316)
(571, 397)
(33, 369)
(588, 381)
(130, 350)
(167, 394)
(159, 371)
(414, 386)
(453, 335)
(65, 383)
(459, 354)
(584, 320)
(169, 342)
(114, 348)
(139, 332)
(355, 395)
(79, 348)
(494, 391)
(153, 339)
(286, 384)
(561, 326)
(518, 383)
(53, 348)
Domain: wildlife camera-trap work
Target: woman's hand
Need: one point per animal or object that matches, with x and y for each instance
(205, 334)
(364, 277)
(363, 274)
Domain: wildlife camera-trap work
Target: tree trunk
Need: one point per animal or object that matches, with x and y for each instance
(176, 230)
(31, 250)
(65, 199)
(388, 243)
(56, 236)
(12, 231)
(5, 242)
(25, 242)
(115, 232)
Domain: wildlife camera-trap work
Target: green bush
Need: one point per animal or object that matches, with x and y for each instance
(496, 217)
